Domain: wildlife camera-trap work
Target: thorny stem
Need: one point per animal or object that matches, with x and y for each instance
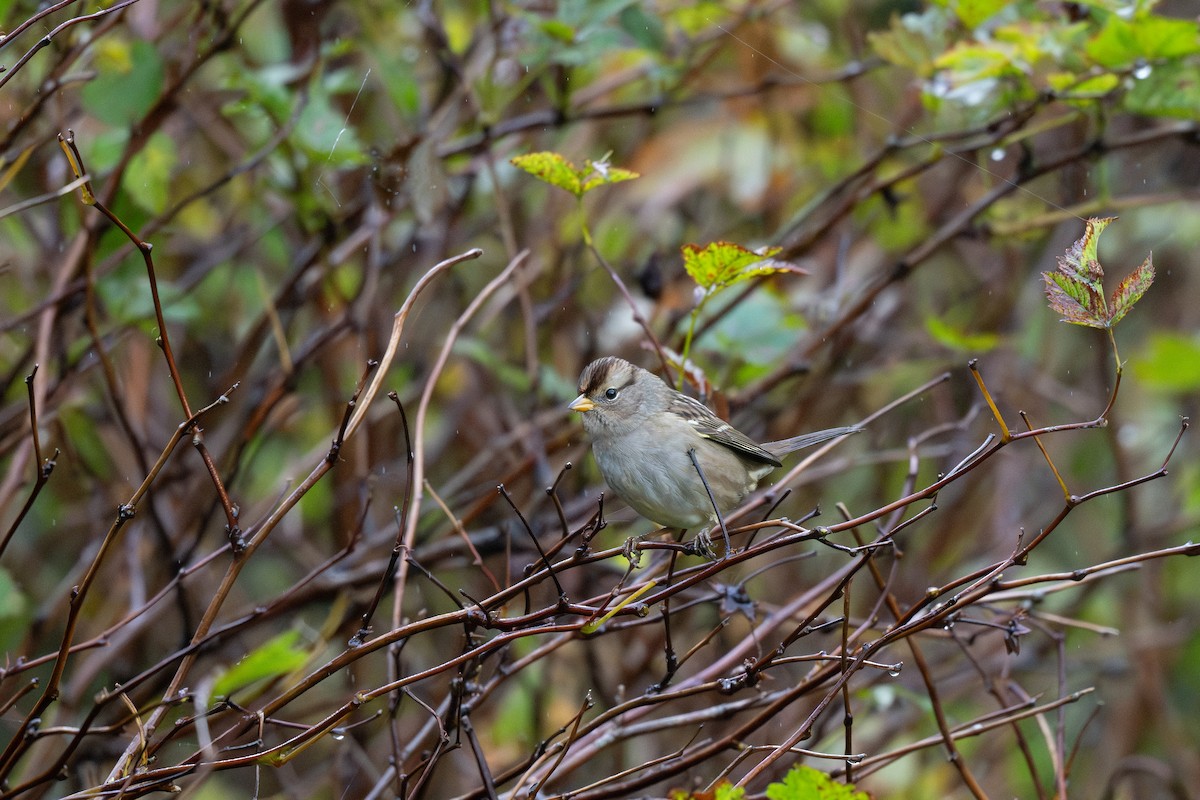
(67, 144)
(638, 317)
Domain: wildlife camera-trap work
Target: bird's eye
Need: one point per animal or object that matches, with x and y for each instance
(611, 393)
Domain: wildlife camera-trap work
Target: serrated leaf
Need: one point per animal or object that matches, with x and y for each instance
(1130, 290)
(556, 170)
(1078, 302)
(1076, 290)
(721, 264)
(808, 783)
(602, 174)
(1081, 260)
(551, 168)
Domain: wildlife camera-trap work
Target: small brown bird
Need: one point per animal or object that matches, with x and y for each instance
(645, 434)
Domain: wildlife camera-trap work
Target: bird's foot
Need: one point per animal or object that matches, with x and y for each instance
(702, 545)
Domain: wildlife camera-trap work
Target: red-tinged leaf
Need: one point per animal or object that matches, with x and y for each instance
(1076, 289)
(1080, 261)
(1078, 302)
(1131, 289)
(553, 169)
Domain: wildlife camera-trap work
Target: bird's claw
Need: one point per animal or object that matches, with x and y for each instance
(702, 545)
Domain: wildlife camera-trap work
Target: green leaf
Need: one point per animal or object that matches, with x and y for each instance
(807, 783)
(913, 40)
(148, 179)
(128, 82)
(727, 791)
(12, 600)
(956, 339)
(599, 173)
(721, 264)
(722, 791)
(324, 131)
(1166, 90)
(1078, 302)
(556, 29)
(1171, 363)
(556, 170)
(1122, 42)
(645, 29)
(1070, 84)
(274, 658)
(974, 12)
(551, 168)
(1076, 290)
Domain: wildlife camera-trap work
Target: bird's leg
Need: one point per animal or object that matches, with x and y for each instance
(703, 542)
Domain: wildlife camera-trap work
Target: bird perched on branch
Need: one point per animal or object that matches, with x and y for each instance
(666, 454)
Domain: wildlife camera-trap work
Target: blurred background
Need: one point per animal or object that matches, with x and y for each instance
(297, 166)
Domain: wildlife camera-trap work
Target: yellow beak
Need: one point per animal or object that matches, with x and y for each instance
(581, 404)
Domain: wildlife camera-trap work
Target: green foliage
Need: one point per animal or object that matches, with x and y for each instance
(760, 330)
(275, 658)
(956, 339)
(806, 783)
(1167, 90)
(128, 83)
(556, 170)
(14, 612)
(724, 790)
(1004, 52)
(800, 783)
(913, 40)
(1125, 42)
(581, 32)
(1076, 289)
(296, 176)
(123, 298)
(1171, 362)
(719, 265)
(973, 13)
(150, 173)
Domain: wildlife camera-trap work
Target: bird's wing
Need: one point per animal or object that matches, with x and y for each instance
(710, 426)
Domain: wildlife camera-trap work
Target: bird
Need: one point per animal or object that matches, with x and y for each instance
(653, 444)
